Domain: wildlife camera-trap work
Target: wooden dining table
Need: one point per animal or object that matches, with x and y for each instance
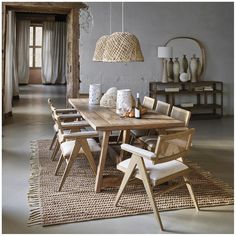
(106, 120)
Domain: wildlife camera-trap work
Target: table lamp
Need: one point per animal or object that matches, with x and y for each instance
(165, 52)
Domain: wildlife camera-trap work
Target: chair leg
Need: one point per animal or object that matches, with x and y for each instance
(125, 180)
(190, 189)
(55, 151)
(59, 164)
(119, 137)
(53, 140)
(149, 191)
(71, 159)
(132, 139)
(66, 172)
(89, 155)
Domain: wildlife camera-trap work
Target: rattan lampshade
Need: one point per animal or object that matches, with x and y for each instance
(122, 47)
(99, 48)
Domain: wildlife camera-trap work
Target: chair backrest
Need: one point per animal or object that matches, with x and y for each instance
(163, 108)
(173, 146)
(148, 103)
(57, 120)
(52, 107)
(181, 114)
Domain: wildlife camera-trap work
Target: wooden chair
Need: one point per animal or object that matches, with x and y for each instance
(163, 108)
(177, 113)
(67, 127)
(148, 103)
(74, 144)
(66, 114)
(155, 168)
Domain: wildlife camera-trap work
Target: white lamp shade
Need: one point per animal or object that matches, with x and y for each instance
(165, 52)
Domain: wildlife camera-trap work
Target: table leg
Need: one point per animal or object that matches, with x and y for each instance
(102, 160)
(126, 139)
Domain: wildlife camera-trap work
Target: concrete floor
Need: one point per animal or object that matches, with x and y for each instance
(213, 150)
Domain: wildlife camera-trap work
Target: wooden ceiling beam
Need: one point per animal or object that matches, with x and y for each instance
(44, 7)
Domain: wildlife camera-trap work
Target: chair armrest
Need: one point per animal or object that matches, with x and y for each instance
(70, 116)
(66, 110)
(79, 135)
(138, 151)
(75, 124)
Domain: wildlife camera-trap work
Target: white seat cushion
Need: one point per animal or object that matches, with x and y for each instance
(158, 171)
(67, 147)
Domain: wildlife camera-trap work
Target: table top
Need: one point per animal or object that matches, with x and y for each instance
(105, 119)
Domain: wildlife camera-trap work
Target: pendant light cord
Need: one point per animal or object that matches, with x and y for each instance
(122, 17)
(110, 18)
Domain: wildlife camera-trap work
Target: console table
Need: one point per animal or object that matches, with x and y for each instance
(204, 98)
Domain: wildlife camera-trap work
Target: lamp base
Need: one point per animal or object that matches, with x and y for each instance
(164, 73)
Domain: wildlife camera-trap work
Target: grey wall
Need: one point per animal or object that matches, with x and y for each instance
(154, 23)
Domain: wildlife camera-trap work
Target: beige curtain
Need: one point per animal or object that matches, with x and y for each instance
(54, 53)
(10, 83)
(22, 52)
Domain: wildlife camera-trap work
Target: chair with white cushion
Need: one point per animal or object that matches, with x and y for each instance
(155, 168)
(162, 108)
(66, 115)
(148, 103)
(67, 128)
(177, 113)
(72, 146)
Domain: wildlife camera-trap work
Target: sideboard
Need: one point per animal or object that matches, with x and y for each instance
(204, 98)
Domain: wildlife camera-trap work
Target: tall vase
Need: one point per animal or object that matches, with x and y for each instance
(193, 68)
(176, 70)
(170, 70)
(95, 94)
(184, 64)
(123, 101)
(199, 69)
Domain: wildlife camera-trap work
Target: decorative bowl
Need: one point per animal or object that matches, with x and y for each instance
(184, 77)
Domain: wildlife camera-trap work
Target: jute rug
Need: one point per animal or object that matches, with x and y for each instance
(78, 202)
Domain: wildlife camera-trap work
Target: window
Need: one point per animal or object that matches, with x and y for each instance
(35, 48)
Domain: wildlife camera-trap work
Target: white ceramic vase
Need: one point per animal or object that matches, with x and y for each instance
(193, 69)
(176, 70)
(123, 101)
(95, 94)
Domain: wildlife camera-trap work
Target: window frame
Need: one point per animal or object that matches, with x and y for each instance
(34, 46)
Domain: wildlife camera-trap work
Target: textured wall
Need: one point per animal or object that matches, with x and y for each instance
(154, 23)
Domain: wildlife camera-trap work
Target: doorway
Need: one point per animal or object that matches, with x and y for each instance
(35, 53)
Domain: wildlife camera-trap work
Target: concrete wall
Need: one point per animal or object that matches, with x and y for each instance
(154, 23)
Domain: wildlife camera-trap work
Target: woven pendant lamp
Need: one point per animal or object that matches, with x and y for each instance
(99, 48)
(122, 47)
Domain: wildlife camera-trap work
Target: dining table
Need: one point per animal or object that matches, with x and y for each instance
(106, 120)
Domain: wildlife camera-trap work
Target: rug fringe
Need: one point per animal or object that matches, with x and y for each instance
(35, 215)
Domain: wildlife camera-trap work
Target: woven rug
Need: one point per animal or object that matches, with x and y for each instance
(78, 202)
